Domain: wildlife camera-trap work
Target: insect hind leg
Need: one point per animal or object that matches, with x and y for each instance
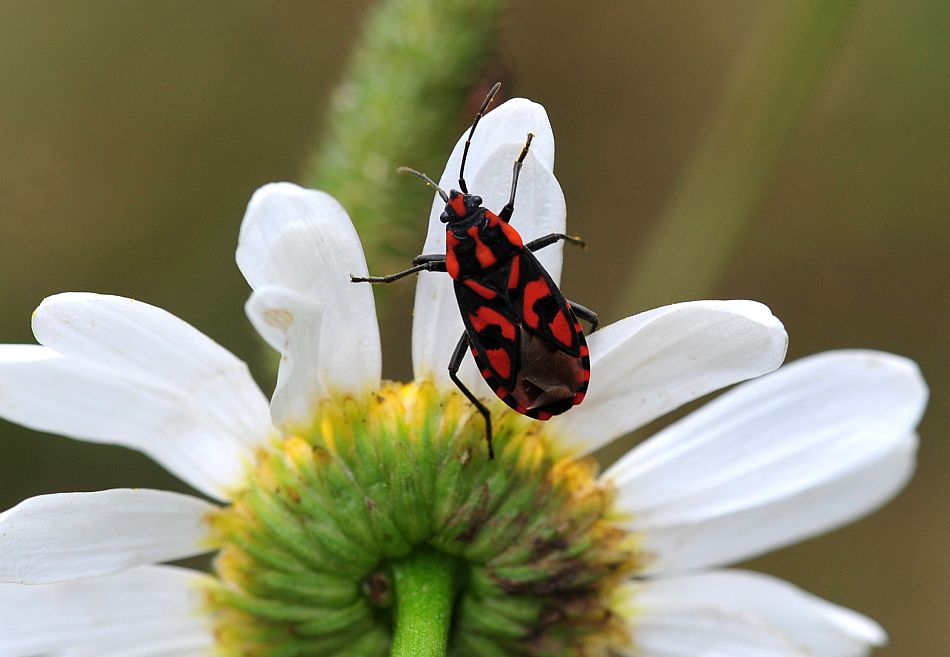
(454, 364)
(429, 257)
(587, 314)
(424, 265)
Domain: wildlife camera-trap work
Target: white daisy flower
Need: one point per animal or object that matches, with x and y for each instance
(322, 499)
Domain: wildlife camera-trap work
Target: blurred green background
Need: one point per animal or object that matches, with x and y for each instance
(133, 133)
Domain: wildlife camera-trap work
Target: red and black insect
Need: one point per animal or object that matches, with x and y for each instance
(522, 332)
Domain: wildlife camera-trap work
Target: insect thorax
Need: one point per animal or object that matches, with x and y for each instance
(479, 243)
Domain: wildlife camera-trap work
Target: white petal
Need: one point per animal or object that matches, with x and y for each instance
(291, 324)
(134, 337)
(157, 608)
(647, 365)
(66, 536)
(180, 428)
(815, 445)
(122, 333)
(539, 210)
(509, 123)
(303, 241)
(705, 633)
(814, 626)
(763, 526)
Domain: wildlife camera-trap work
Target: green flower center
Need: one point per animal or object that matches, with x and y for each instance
(308, 545)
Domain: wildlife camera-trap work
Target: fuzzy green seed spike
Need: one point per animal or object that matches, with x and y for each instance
(385, 521)
(425, 585)
(401, 102)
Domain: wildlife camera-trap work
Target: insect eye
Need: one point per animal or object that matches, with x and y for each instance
(444, 217)
(477, 200)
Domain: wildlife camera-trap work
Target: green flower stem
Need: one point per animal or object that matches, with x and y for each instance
(425, 587)
(401, 102)
(773, 82)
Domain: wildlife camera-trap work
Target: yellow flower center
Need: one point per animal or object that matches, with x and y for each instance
(307, 544)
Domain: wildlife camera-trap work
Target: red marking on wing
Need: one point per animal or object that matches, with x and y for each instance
(479, 289)
(514, 274)
(541, 367)
(511, 234)
(533, 291)
(485, 256)
(500, 362)
(485, 317)
(561, 330)
(451, 261)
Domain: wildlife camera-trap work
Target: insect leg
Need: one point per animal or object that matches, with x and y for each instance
(548, 240)
(430, 265)
(454, 363)
(585, 313)
(428, 257)
(506, 211)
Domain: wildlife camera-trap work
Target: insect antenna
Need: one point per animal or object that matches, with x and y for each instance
(468, 142)
(426, 179)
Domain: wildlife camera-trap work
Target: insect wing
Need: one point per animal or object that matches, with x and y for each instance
(544, 310)
(527, 343)
(555, 361)
(494, 331)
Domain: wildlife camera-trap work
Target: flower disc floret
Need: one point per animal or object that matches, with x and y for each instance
(306, 567)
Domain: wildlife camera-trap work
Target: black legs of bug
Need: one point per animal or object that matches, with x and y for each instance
(586, 314)
(439, 260)
(454, 363)
(548, 240)
(423, 265)
(429, 257)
